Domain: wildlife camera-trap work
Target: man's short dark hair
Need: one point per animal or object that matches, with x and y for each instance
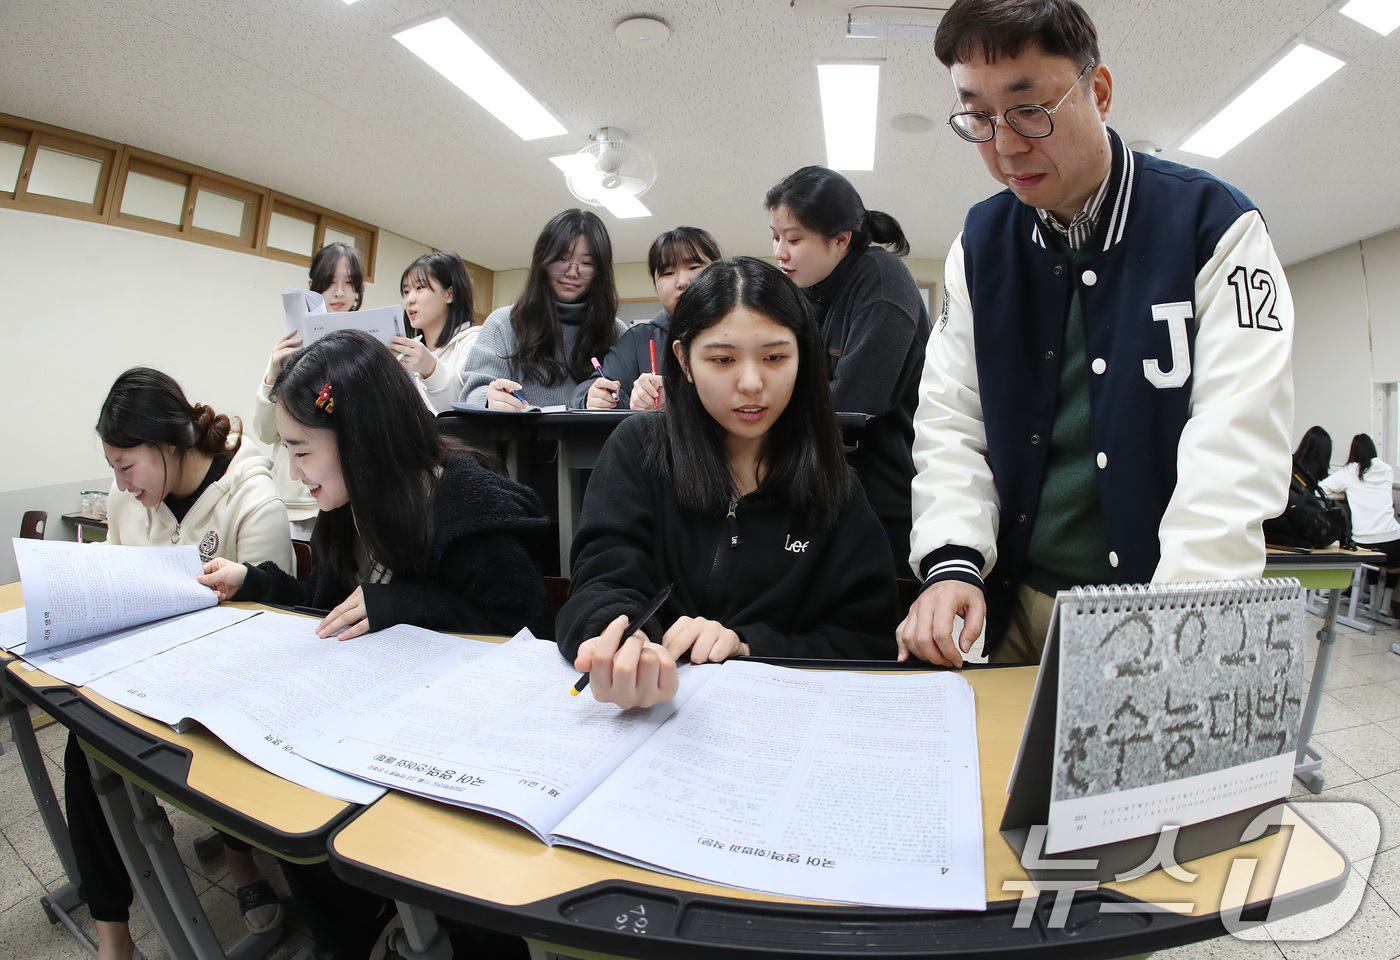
(1004, 28)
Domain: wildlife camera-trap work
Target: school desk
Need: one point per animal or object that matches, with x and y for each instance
(578, 436)
(135, 760)
(436, 858)
(1329, 569)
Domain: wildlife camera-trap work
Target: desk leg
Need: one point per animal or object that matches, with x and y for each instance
(422, 938)
(1307, 765)
(64, 898)
(117, 806)
(513, 459)
(566, 507)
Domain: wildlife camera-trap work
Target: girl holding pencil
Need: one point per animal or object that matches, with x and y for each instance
(629, 377)
(739, 495)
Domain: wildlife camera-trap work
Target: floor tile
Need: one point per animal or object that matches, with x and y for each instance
(1389, 785)
(1335, 773)
(31, 841)
(17, 883)
(1373, 701)
(1371, 933)
(1385, 877)
(1369, 750)
(1351, 828)
(1341, 674)
(25, 932)
(1380, 666)
(1334, 714)
(16, 801)
(1391, 727)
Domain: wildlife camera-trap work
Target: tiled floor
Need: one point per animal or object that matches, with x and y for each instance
(1358, 731)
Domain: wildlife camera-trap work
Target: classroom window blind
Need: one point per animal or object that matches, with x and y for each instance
(218, 213)
(153, 198)
(65, 176)
(11, 156)
(291, 233)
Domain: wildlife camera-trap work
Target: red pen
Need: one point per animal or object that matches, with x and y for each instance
(652, 344)
(599, 367)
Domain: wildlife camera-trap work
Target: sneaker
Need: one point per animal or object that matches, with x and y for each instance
(258, 903)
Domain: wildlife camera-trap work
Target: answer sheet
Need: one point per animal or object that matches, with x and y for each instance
(73, 591)
(12, 630)
(501, 735)
(849, 787)
(260, 683)
(83, 662)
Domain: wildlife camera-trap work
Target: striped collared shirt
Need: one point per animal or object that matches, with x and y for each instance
(1081, 228)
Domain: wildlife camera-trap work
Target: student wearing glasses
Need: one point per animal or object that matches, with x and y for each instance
(536, 351)
(1107, 395)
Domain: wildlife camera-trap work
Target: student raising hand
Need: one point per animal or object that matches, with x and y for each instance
(630, 673)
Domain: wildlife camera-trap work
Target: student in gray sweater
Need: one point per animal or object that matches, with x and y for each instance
(540, 348)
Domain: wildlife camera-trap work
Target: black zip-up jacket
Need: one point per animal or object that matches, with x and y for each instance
(486, 581)
(875, 328)
(629, 358)
(767, 572)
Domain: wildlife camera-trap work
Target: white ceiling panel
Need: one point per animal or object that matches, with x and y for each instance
(315, 99)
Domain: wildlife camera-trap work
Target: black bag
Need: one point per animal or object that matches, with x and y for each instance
(1311, 519)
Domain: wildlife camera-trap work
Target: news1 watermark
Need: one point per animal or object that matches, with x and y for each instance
(1282, 901)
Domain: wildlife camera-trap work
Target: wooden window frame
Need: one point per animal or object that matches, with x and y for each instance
(119, 160)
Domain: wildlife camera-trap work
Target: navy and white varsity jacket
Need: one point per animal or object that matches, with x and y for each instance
(1188, 330)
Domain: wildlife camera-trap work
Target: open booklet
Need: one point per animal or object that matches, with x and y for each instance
(766, 778)
(75, 591)
(306, 314)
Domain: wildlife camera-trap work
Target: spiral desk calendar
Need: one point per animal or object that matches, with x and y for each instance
(1157, 706)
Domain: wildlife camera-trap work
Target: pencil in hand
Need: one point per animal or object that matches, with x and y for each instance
(632, 626)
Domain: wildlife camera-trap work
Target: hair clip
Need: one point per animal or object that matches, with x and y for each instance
(324, 400)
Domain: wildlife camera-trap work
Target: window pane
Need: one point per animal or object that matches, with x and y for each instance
(153, 198)
(291, 234)
(11, 156)
(65, 175)
(221, 214)
(340, 236)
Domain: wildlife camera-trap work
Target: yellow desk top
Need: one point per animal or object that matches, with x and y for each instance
(486, 858)
(215, 770)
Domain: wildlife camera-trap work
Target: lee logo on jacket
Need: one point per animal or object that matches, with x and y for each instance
(794, 546)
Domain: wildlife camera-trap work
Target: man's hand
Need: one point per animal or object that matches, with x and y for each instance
(927, 632)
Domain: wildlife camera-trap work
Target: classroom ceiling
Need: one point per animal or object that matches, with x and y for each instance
(315, 99)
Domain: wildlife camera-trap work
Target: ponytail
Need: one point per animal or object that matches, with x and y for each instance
(885, 230)
(146, 407)
(824, 202)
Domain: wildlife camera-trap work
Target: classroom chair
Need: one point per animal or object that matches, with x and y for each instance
(558, 589)
(301, 550)
(1374, 608)
(32, 524)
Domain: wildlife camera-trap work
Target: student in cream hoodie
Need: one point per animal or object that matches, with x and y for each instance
(177, 481)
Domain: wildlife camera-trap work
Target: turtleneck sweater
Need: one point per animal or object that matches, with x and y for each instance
(489, 357)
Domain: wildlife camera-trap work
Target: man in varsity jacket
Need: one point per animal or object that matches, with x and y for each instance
(1107, 395)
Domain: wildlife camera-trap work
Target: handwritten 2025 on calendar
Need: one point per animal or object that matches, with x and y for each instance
(1172, 713)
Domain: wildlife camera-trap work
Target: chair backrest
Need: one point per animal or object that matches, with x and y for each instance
(32, 524)
(558, 590)
(302, 551)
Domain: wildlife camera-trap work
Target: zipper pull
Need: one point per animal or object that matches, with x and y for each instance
(733, 522)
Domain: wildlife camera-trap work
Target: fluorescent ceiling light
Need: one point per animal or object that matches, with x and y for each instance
(1301, 69)
(1382, 16)
(850, 93)
(582, 170)
(442, 45)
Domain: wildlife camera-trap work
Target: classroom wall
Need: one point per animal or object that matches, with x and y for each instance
(1347, 339)
(80, 302)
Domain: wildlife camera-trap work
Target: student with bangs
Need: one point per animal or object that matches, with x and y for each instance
(182, 476)
(412, 529)
(338, 275)
(874, 327)
(536, 351)
(626, 380)
(739, 495)
(437, 302)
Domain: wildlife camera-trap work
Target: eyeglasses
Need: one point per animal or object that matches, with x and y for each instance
(1030, 120)
(560, 268)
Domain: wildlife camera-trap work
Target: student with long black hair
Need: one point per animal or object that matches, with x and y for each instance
(873, 323)
(542, 346)
(338, 275)
(1365, 483)
(739, 495)
(1314, 454)
(437, 302)
(182, 476)
(412, 529)
(625, 380)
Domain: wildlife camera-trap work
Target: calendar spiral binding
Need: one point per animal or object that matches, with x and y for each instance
(1141, 597)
